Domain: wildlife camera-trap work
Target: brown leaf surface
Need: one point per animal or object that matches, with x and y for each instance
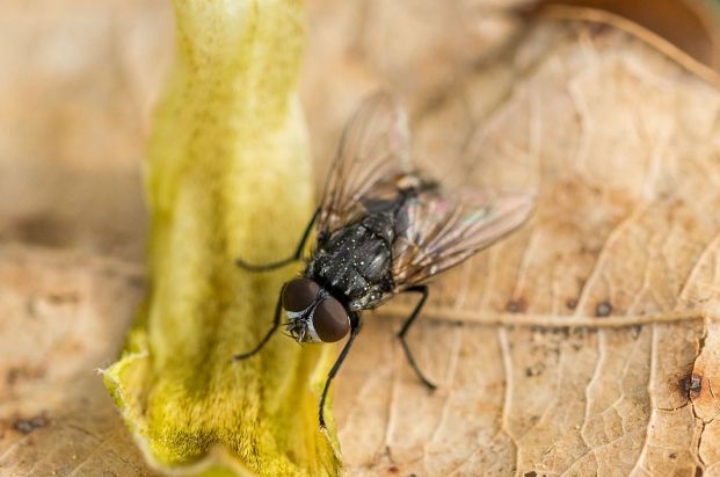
(78, 79)
(585, 344)
(63, 316)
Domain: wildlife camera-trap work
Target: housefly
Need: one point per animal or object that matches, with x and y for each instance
(382, 228)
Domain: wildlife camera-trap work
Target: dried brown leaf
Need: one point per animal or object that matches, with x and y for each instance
(586, 343)
(63, 316)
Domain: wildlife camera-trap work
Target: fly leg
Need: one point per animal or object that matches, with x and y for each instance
(268, 335)
(266, 267)
(272, 266)
(354, 330)
(422, 289)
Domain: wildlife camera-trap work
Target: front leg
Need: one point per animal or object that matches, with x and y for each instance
(355, 325)
(266, 267)
(273, 329)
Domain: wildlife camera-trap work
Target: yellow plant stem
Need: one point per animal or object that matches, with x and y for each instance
(228, 175)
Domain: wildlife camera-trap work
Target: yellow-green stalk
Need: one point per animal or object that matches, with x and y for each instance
(228, 175)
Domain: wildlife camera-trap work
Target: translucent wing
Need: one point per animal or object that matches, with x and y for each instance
(435, 229)
(373, 150)
(443, 230)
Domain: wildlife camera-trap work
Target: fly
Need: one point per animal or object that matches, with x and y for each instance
(382, 228)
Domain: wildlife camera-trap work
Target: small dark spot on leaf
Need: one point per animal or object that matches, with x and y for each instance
(699, 471)
(393, 469)
(673, 456)
(26, 426)
(536, 370)
(516, 306)
(532, 473)
(571, 303)
(692, 384)
(603, 309)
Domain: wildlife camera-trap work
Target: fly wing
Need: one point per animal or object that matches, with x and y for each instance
(444, 230)
(372, 152)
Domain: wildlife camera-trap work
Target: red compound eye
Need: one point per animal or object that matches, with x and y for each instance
(298, 294)
(330, 320)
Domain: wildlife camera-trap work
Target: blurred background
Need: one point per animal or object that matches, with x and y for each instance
(78, 80)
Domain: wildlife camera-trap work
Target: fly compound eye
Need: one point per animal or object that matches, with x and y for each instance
(330, 320)
(299, 294)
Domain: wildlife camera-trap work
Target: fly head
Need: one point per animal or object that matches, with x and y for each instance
(313, 314)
